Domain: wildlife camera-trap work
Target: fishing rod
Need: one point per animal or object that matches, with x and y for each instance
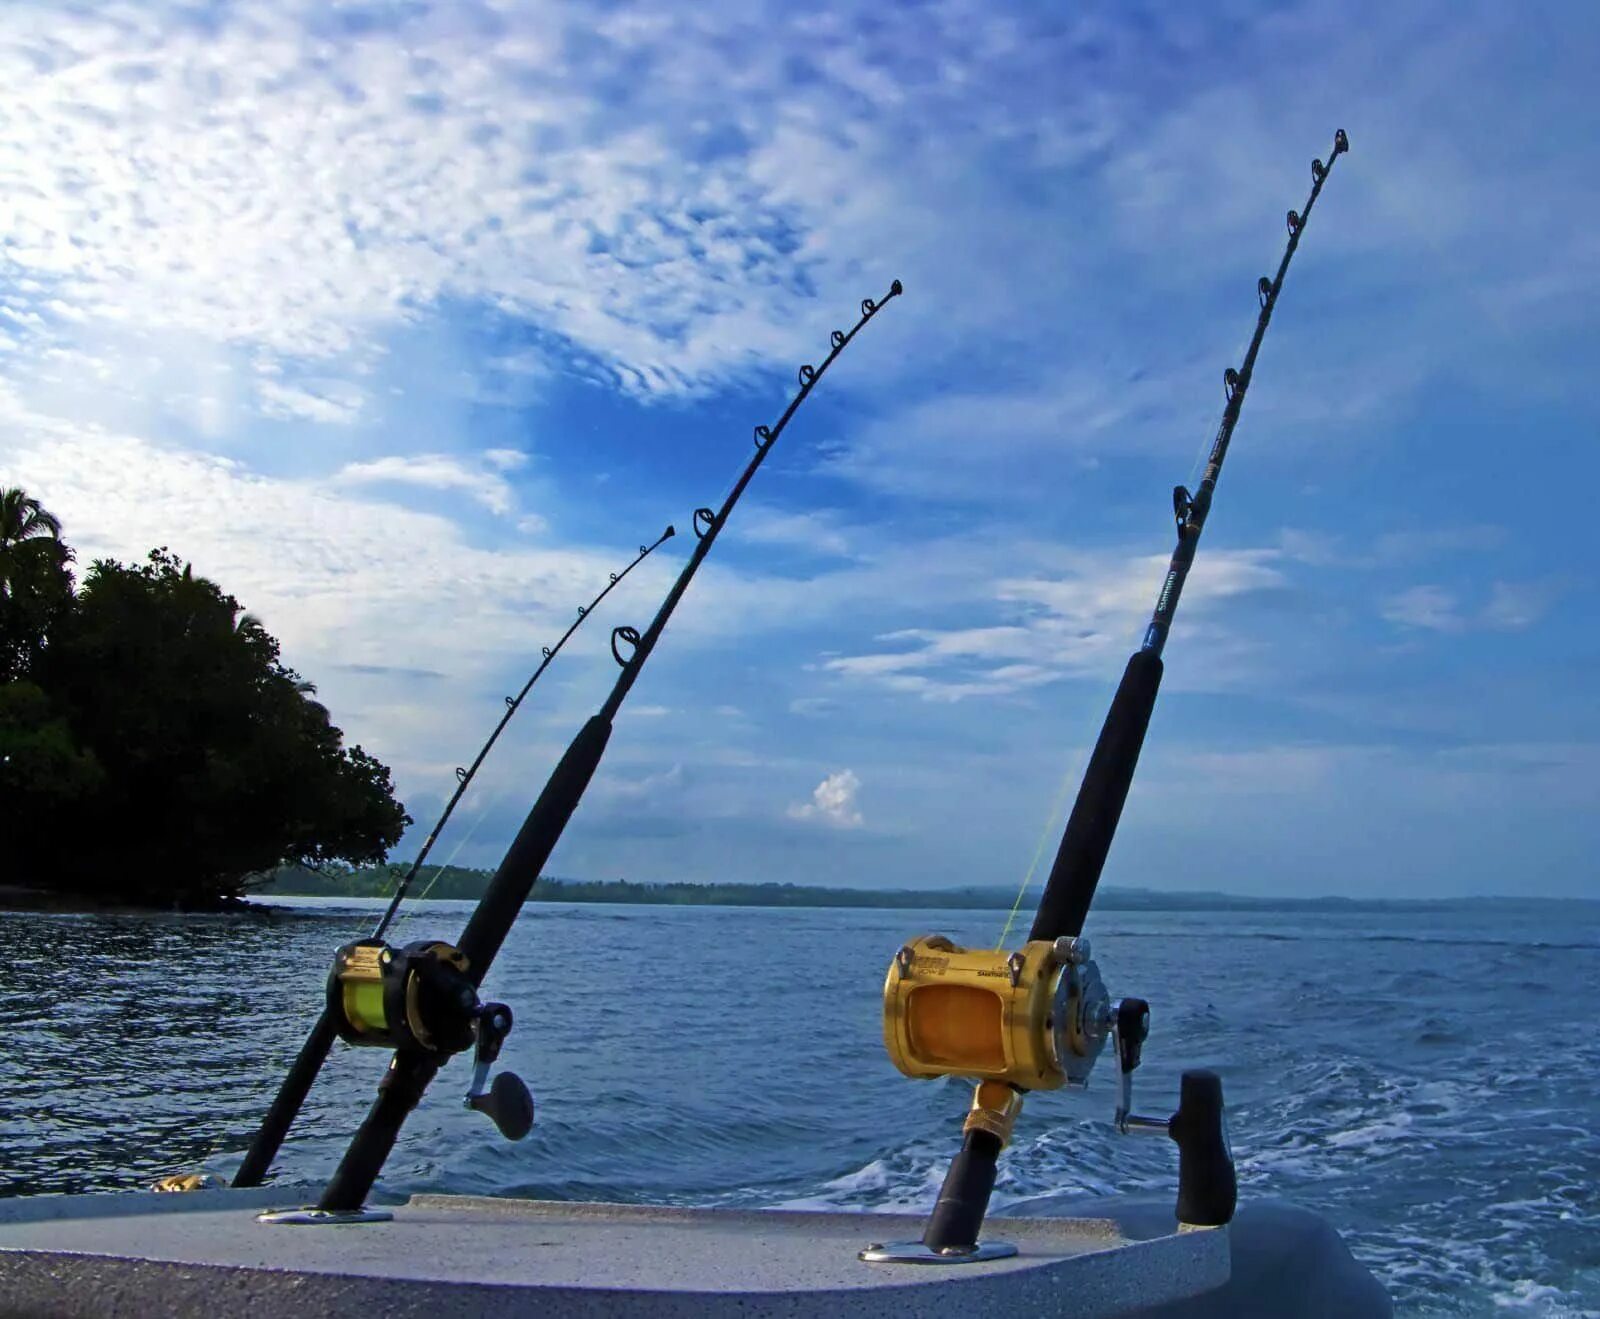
(465, 776)
(1038, 1018)
(291, 1096)
(422, 1000)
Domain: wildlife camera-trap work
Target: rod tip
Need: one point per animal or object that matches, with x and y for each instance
(896, 289)
(670, 532)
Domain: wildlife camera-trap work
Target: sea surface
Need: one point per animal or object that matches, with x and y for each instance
(1429, 1080)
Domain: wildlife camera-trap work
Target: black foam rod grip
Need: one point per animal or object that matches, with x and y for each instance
(541, 831)
(399, 1092)
(957, 1218)
(1208, 1189)
(1093, 822)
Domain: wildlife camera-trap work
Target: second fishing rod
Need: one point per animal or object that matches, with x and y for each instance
(422, 1000)
(1038, 1018)
(308, 1063)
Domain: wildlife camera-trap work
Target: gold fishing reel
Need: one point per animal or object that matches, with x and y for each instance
(1035, 1019)
(418, 997)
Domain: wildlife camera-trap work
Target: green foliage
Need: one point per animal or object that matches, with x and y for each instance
(333, 881)
(162, 726)
(463, 883)
(43, 770)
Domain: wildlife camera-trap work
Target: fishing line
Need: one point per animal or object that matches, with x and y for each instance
(1070, 779)
(489, 805)
(1046, 834)
(464, 776)
(1074, 772)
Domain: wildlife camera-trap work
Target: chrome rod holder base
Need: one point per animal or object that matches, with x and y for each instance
(313, 1217)
(917, 1252)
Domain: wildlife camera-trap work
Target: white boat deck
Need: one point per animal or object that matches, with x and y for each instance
(204, 1252)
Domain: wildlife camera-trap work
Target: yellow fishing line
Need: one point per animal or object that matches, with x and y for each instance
(1201, 454)
(1074, 774)
(1045, 835)
(454, 853)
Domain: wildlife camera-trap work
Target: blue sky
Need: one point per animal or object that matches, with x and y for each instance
(407, 322)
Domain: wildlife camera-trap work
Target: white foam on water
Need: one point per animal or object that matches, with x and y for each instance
(1373, 1134)
(880, 1186)
(1524, 1294)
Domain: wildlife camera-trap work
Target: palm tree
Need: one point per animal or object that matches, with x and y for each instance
(34, 585)
(30, 539)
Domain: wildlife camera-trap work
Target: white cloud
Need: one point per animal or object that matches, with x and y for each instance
(815, 530)
(331, 403)
(677, 200)
(833, 802)
(268, 179)
(662, 790)
(1430, 607)
(437, 471)
(1081, 622)
(812, 707)
(364, 595)
(1511, 607)
(505, 460)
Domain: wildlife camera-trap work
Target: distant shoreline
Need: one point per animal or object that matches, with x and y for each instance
(461, 883)
(51, 902)
(468, 886)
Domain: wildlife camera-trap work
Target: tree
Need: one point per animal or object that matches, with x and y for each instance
(44, 776)
(163, 753)
(35, 585)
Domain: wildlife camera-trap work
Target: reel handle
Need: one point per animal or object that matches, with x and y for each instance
(507, 1101)
(1208, 1188)
(508, 1104)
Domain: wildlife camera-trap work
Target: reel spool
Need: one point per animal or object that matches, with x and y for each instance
(1035, 1019)
(417, 997)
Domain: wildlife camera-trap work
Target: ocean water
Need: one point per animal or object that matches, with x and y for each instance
(1430, 1081)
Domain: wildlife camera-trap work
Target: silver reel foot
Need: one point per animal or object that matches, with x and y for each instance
(916, 1252)
(313, 1217)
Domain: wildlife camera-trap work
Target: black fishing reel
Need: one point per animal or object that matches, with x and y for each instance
(419, 999)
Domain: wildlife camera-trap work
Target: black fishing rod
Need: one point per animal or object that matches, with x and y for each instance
(1082, 855)
(422, 1000)
(291, 1095)
(1055, 1013)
